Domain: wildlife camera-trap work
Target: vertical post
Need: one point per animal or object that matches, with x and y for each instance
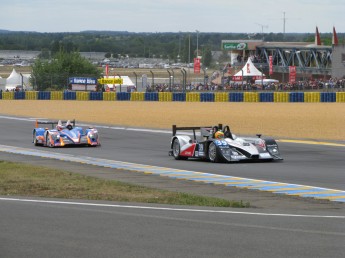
(169, 80)
(120, 82)
(153, 78)
(173, 75)
(136, 80)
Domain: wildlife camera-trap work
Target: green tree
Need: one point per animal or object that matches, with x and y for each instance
(54, 74)
(206, 56)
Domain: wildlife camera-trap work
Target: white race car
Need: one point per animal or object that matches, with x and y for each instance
(230, 148)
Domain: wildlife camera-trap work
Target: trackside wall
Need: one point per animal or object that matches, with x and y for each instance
(306, 97)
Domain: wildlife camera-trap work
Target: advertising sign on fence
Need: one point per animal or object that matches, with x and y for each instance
(292, 73)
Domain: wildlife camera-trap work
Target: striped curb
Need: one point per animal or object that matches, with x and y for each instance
(207, 178)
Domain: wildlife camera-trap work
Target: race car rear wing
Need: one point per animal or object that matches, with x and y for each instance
(205, 131)
(53, 123)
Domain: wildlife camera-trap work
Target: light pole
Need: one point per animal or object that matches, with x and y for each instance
(169, 80)
(197, 44)
(262, 78)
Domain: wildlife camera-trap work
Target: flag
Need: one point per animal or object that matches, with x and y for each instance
(334, 37)
(317, 37)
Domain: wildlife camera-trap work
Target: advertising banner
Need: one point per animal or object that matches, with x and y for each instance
(270, 59)
(235, 46)
(292, 73)
(197, 65)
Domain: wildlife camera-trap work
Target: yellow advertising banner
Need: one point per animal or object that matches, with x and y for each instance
(110, 81)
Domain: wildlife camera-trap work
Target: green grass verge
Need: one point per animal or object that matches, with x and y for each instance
(27, 180)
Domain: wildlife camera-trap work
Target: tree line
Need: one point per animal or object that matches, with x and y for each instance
(178, 46)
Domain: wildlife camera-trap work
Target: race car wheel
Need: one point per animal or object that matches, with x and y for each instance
(34, 140)
(212, 153)
(176, 150)
(48, 143)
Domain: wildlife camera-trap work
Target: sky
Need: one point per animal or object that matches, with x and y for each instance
(229, 16)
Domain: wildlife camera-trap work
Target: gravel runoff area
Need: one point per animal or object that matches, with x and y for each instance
(303, 120)
(316, 121)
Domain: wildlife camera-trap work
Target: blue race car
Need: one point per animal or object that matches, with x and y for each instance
(64, 133)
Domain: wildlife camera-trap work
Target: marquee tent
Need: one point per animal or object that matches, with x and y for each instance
(248, 70)
(127, 85)
(16, 79)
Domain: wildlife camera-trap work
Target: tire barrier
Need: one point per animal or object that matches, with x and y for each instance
(207, 97)
(266, 97)
(109, 96)
(311, 97)
(221, 97)
(44, 95)
(96, 95)
(19, 95)
(328, 97)
(179, 96)
(340, 97)
(70, 95)
(8, 95)
(296, 97)
(151, 96)
(236, 96)
(56, 95)
(82, 95)
(306, 97)
(193, 97)
(137, 96)
(123, 96)
(31, 95)
(165, 96)
(251, 97)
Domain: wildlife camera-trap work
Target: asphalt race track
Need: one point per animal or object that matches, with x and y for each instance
(73, 228)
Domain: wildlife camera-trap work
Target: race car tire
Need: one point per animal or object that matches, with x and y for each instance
(48, 143)
(34, 140)
(176, 149)
(213, 153)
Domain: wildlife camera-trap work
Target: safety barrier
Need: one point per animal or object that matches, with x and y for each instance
(165, 96)
(123, 96)
(236, 96)
(296, 97)
(151, 96)
(251, 97)
(340, 97)
(96, 95)
(82, 95)
(306, 97)
(44, 95)
(311, 97)
(221, 97)
(109, 96)
(207, 97)
(192, 97)
(328, 97)
(281, 97)
(8, 95)
(56, 95)
(31, 95)
(179, 96)
(137, 96)
(266, 97)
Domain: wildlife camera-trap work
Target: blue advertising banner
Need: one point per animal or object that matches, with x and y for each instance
(82, 80)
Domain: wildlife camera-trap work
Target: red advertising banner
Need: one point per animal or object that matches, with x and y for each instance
(197, 62)
(292, 73)
(270, 59)
(107, 70)
(237, 78)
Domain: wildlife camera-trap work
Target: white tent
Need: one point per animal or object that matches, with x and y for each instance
(127, 83)
(16, 79)
(248, 70)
